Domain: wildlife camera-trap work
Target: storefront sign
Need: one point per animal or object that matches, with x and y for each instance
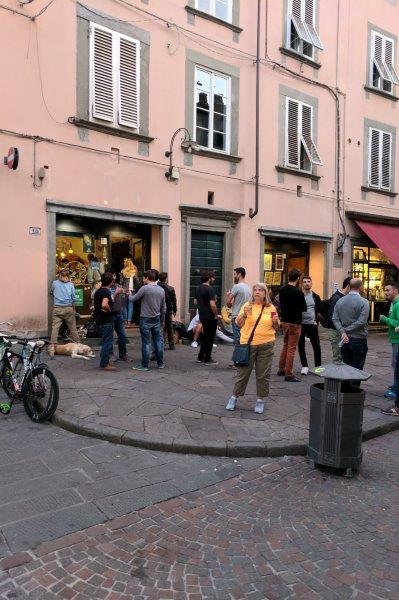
(79, 297)
(37, 231)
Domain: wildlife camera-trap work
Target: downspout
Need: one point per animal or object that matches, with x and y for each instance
(254, 211)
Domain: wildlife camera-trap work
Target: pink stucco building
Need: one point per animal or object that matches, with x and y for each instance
(93, 91)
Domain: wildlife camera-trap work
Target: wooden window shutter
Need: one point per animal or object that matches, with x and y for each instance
(310, 24)
(374, 158)
(389, 59)
(128, 81)
(102, 74)
(307, 135)
(386, 160)
(292, 133)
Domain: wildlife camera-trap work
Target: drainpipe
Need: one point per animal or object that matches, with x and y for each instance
(254, 211)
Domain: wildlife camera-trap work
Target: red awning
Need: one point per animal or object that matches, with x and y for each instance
(385, 237)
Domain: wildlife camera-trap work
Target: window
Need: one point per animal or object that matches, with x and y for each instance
(212, 110)
(300, 150)
(301, 34)
(380, 152)
(382, 72)
(114, 77)
(222, 9)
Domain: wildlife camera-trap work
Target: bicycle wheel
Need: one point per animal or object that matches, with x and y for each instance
(40, 394)
(13, 376)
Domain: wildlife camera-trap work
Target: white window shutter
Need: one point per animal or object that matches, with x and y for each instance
(102, 74)
(378, 49)
(310, 24)
(292, 133)
(307, 137)
(374, 158)
(128, 82)
(296, 17)
(386, 160)
(388, 62)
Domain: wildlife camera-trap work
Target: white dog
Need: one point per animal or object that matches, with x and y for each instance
(74, 350)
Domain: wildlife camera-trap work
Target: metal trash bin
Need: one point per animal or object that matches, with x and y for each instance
(336, 418)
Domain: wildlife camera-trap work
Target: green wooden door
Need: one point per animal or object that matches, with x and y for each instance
(206, 253)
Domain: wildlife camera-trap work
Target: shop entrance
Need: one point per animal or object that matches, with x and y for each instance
(376, 271)
(280, 256)
(109, 241)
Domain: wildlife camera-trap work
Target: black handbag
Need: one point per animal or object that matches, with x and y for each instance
(241, 351)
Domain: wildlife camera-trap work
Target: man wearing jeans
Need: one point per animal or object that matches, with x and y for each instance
(350, 318)
(105, 320)
(310, 326)
(239, 295)
(292, 305)
(208, 315)
(392, 322)
(64, 298)
(152, 319)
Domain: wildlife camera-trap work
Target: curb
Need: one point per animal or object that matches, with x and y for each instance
(237, 449)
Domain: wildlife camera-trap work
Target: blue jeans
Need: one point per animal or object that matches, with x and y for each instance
(236, 331)
(120, 332)
(107, 342)
(128, 310)
(354, 354)
(150, 329)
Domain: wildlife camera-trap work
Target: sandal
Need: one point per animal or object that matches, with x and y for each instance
(393, 411)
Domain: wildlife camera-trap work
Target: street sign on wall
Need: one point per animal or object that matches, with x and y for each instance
(12, 158)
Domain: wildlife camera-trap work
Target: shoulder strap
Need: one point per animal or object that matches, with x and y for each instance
(255, 326)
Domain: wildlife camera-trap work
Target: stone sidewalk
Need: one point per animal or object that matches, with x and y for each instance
(182, 408)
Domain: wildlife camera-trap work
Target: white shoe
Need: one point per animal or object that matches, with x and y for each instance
(194, 345)
(259, 407)
(304, 370)
(214, 345)
(231, 404)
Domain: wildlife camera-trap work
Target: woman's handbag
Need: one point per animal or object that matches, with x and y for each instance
(241, 352)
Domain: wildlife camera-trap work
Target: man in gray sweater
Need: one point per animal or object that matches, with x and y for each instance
(350, 318)
(152, 318)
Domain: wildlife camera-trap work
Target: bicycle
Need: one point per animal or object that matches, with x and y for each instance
(23, 376)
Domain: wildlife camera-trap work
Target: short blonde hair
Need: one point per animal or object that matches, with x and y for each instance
(262, 286)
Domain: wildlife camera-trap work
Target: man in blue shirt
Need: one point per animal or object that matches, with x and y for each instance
(63, 292)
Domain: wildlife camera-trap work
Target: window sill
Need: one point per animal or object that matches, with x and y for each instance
(212, 154)
(300, 57)
(130, 135)
(204, 15)
(292, 171)
(381, 93)
(365, 188)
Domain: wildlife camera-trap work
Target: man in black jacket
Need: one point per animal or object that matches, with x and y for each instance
(171, 307)
(310, 325)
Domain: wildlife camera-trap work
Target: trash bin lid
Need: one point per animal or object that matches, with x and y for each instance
(341, 371)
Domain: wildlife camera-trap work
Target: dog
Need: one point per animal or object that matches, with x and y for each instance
(74, 350)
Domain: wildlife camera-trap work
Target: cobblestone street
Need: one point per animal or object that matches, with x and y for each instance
(281, 530)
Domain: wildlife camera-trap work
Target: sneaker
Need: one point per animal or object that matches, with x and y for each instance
(390, 395)
(200, 361)
(140, 368)
(109, 368)
(161, 366)
(304, 370)
(51, 350)
(292, 379)
(259, 407)
(281, 373)
(392, 411)
(211, 362)
(194, 344)
(214, 345)
(231, 404)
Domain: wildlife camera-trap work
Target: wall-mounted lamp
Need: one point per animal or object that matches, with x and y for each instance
(173, 174)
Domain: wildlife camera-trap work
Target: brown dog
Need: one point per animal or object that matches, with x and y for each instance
(74, 350)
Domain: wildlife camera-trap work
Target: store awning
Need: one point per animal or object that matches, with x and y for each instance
(385, 237)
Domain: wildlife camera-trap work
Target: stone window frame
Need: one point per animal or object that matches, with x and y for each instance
(368, 125)
(284, 93)
(286, 47)
(195, 59)
(369, 87)
(234, 25)
(84, 17)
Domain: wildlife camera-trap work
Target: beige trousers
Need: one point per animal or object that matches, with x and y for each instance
(261, 358)
(64, 314)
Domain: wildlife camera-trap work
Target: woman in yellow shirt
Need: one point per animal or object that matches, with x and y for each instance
(261, 345)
